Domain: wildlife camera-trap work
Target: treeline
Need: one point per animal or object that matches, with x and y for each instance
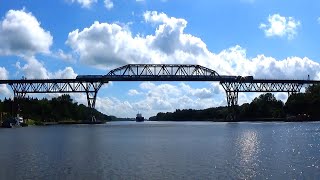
(61, 108)
(266, 106)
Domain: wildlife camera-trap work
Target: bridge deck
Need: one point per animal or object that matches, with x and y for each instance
(90, 84)
(106, 79)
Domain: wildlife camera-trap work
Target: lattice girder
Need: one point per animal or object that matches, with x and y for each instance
(163, 70)
(261, 87)
(56, 87)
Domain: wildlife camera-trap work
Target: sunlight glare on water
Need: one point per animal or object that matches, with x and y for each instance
(162, 150)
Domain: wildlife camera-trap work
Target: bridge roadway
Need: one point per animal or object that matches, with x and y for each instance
(91, 84)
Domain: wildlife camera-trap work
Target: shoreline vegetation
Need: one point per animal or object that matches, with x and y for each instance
(58, 110)
(265, 108)
(299, 107)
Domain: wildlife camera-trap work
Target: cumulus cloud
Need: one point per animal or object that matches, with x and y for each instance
(84, 3)
(133, 92)
(60, 54)
(280, 26)
(170, 37)
(34, 69)
(108, 4)
(161, 97)
(3, 73)
(66, 73)
(3, 88)
(109, 45)
(21, 34)
(202, 93)
(105, 45)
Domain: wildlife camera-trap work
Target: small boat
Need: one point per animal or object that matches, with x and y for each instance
(139, 118)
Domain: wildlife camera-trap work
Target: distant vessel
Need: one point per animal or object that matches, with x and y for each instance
(139, 118)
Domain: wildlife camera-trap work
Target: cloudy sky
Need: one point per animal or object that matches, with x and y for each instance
(64, 38)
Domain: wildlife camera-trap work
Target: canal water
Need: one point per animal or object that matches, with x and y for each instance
(162, 150)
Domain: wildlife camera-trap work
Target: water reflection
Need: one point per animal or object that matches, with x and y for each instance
(248, 144)
(162, 150)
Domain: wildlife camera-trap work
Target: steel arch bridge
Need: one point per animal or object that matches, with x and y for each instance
(159, 72)
(91, 84)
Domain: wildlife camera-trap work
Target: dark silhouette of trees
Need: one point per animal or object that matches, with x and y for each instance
(61, 108)
(266, 106)
(307, 103)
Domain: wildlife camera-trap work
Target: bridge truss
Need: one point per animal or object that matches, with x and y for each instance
(91, 84)
(232, 89)
(162, 72)
(27, 86)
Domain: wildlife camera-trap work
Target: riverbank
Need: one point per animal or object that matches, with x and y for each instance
(30, 122)
(247, 120)
(71, 122)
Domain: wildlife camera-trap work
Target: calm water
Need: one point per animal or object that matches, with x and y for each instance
(166, 150)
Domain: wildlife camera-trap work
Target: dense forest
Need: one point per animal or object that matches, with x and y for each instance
(299, 106)
(61, 108)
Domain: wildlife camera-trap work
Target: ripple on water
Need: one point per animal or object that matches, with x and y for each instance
(162, 150)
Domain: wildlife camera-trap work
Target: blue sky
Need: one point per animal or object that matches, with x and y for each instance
(64, 38)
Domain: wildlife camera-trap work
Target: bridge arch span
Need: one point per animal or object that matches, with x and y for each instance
(186, 70)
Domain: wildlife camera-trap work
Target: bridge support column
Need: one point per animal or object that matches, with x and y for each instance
(291, 93)
(19, 95)
(232, 92)
(232, 100)
(91, 98)
(16, 103)
(91, 89)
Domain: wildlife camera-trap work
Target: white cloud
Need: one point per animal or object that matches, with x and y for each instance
(3, 73)
(67, 73)
(84, 3)
(202, 93)
(280, 26)
(133, 92)
(3, 87)
(21, 34)
(34, 69)
(113, 106)
(155, 17)
(318, 19)
(60, 54)
(108, 4)
(162, 97)
(281, 96)
(107, 46)
(169, 36)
